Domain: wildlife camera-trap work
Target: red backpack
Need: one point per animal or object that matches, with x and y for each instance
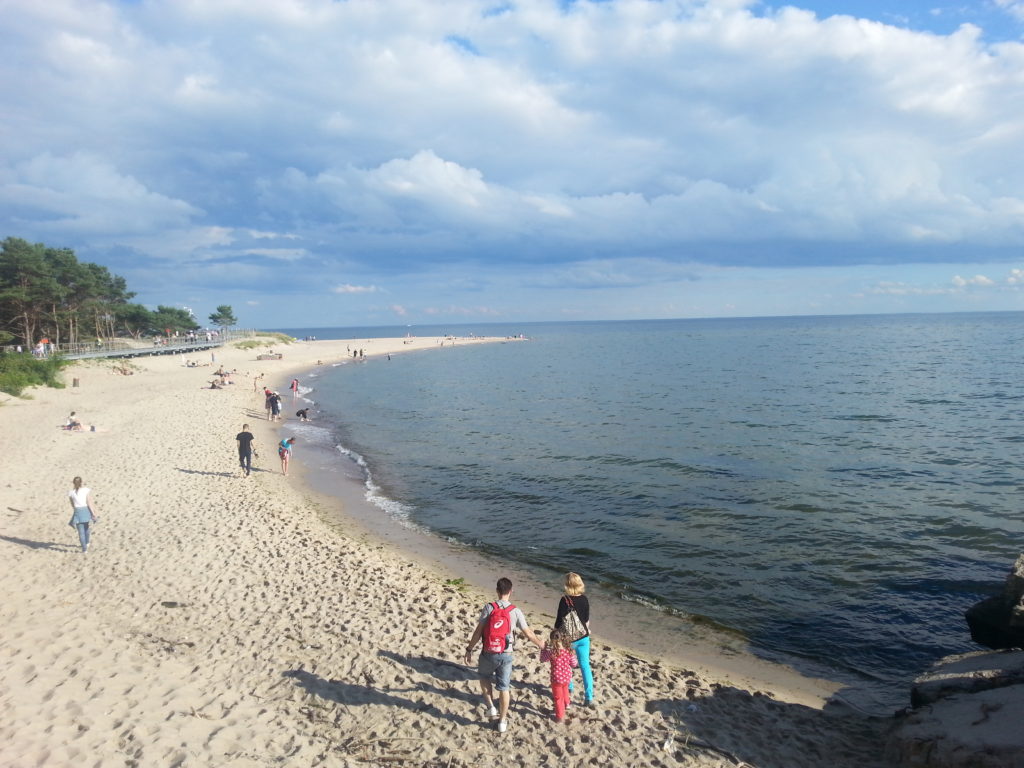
(498, 630)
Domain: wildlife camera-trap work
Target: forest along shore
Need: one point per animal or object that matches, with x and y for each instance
(225, 620)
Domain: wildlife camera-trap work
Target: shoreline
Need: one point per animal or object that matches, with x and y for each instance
(216, 620)
(633, 627)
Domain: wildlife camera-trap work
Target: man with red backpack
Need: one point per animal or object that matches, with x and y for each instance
(497, 628)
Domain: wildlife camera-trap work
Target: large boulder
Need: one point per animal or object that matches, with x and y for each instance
(976, 730)
(968, 710)
(998, 622)
(968, 673)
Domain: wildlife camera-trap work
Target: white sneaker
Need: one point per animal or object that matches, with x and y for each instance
(492, 712)
(502, 726)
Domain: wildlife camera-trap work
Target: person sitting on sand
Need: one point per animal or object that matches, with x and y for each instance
(73, 423)
(284, 451)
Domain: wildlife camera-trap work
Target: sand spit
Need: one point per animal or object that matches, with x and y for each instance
(219, 620)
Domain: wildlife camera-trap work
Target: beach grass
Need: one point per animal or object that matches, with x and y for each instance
(18, 372)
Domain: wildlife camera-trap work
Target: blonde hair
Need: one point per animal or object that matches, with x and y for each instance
(574, 586)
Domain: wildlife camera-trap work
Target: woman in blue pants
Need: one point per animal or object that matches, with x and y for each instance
(575, 600)
(82, 514)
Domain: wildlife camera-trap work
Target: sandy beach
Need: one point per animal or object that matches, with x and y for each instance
(223, 620)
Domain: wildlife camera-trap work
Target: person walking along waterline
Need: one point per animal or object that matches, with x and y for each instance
(497, 628)
(82, 514)
(245, 438)
(574, 601)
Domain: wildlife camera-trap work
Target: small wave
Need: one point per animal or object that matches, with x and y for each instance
(398, 511)
(809, 508)
(584, 552)
(310, 433)
(693, 618)
(864, 417)
(994, 396)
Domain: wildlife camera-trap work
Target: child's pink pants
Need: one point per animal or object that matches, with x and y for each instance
(560, 694)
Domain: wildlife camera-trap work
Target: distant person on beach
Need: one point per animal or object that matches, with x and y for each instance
(73, 422)
(497, 627)
(284, 451)
(294, 388)
(575, 601)
(245, 438)
(275, 407)
(562, 659)
(82, 514)
(303, 414)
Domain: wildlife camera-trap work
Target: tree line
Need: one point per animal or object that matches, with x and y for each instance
(48, 293)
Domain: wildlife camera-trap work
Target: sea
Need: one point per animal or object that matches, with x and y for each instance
(834, 489)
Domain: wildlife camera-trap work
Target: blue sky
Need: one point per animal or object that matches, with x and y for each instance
(369, 162)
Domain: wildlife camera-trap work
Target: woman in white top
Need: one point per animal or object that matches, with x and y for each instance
(83, 513)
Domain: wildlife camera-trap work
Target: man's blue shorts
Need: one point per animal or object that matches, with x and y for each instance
(497, 666)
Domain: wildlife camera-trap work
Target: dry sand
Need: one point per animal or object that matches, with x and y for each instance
(219, 620)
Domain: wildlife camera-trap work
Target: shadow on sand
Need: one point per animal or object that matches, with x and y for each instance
(353, 694)
(452, 672)
(203, 472)
(756, 729)
(40, 544)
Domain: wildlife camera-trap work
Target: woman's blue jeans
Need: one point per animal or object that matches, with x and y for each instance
(83, 535)
(582, 648)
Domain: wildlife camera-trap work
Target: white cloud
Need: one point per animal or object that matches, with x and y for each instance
(259, 235)
(281, 254)
(978, 280)
(888, 288)
(458, 311)
(84, 195)
(347, 288)
(1014, 7)
(563, 141)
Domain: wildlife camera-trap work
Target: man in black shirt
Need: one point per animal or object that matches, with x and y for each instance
(245, 438)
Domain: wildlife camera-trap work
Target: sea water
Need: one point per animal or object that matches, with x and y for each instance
(838, 489)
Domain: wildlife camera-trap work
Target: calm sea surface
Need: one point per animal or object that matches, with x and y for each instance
(837, 488)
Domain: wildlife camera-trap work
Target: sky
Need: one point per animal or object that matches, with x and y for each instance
(317, 163)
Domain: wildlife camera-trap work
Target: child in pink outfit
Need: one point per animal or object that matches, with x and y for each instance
(559, 652)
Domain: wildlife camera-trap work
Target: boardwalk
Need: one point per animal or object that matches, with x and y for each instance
(121, 348)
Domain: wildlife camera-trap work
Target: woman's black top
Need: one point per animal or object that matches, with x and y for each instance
(580, 603)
